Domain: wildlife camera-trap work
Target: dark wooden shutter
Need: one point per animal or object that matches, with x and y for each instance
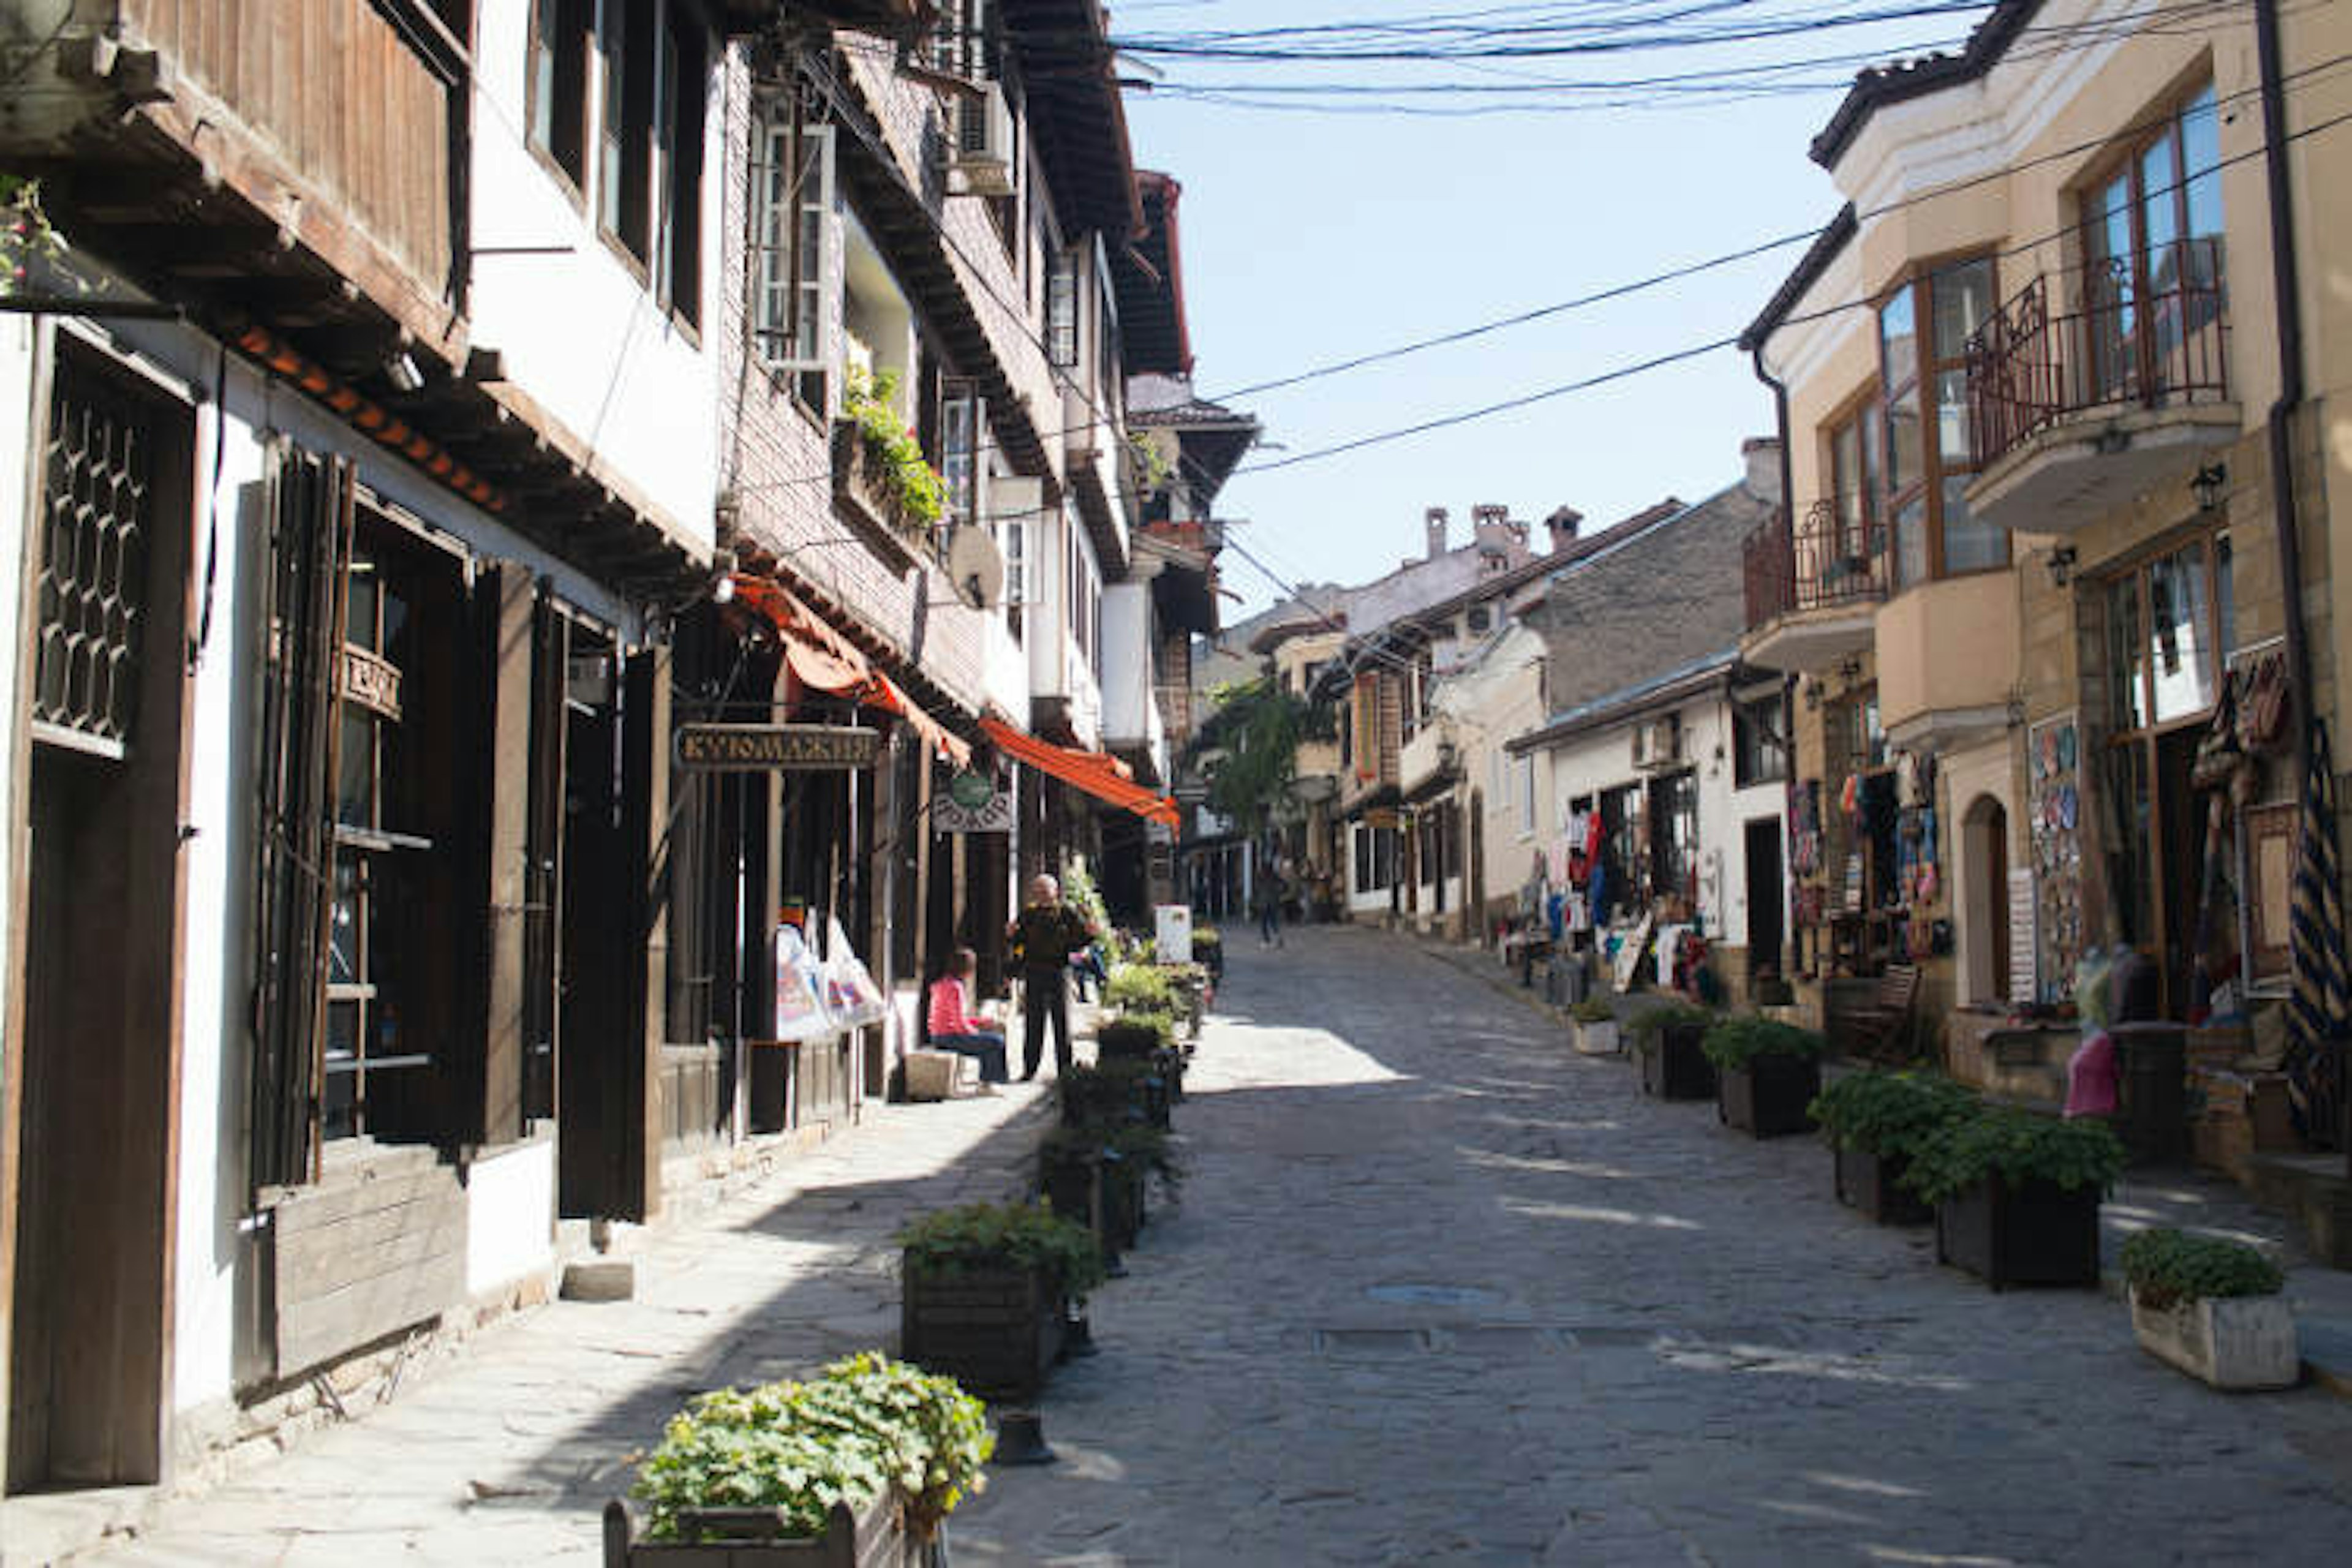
(489, 1080)
(543, 868)
(312, 515)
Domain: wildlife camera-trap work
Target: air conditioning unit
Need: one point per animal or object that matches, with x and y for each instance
(1658, 744)
(984, 142)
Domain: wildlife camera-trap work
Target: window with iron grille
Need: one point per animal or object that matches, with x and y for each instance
(99, 512)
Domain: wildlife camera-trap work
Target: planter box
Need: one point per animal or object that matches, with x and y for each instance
(1675, 1068)
(996, 1331)
(1596, 1039)
(1873, 1184)
(873, 1537)
(2236, 1342)
(2036, 1234)
(1769, 1096)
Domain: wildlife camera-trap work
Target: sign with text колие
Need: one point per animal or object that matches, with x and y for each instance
(775, 748)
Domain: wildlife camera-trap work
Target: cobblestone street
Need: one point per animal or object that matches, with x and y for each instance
(1441, 1291)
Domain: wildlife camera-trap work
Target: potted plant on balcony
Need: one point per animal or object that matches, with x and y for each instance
(1668, 1041)
(2212, 1308)
(1874, 1121)
(2016, 1194)
(984, 1292)
(1767, 1073)
(878, 462)
(1596, 1027)
(861, 1464)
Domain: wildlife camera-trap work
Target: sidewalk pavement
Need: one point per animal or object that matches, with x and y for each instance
(509, 1452)
(2189, 1198)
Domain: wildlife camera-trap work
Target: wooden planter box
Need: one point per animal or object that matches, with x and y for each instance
(1873, 1183)
(873, 1537)
(1596, 1039)
(1769, 1096)
(1675, 1067)
(2237, 1343)
(2036, 1234)
(996, 1331)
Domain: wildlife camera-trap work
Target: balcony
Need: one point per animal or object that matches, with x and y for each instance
(870, 495)
(1811, 589)
(2091, 387)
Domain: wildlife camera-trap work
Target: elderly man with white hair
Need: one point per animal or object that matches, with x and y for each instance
(1047, 932)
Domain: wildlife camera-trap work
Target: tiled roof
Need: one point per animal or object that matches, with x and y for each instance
(1874, 89)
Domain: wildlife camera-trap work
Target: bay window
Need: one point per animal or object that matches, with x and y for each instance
(1930, 448)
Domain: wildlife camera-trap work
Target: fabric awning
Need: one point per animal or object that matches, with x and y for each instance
(1098, 774)
(819, 655)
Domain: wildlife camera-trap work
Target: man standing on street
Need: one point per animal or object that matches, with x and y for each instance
(1044, 936)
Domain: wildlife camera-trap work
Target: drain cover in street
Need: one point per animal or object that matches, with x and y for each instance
(1371, 1341)
(1431, 1295)
(1496, 1340)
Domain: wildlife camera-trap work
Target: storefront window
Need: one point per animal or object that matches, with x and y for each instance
(2181, 638)
(1674, 838)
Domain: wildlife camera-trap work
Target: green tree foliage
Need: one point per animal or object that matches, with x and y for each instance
(1256, 725)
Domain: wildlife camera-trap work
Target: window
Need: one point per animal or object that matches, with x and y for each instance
(625, 44)
(1013, 538)
(1375, 857)
(2164, 640)
(802, 247)
(1858, 480)
(2152, 254)
(1929, 453)
(1480, 619)
(677, 164)
(558, 83)
(1674, 838)
(1622, 886)
(1062, 308)
(959, 38)
(1527, 794)
(1759, 749)
(960, 463)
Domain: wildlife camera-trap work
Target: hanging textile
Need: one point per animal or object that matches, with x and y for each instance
(2318, 1009)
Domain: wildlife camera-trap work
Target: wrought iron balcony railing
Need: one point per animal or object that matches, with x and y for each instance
(1829, 559)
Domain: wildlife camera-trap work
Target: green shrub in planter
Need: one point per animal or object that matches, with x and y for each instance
(1132, 1035)
(1204, 938)
(1736, 1042)
(1592, 1010)
(861, 1425)
(1652, 1025)
(998, 1235)
(2017, 1147)
(1139, 988)
(1138, 1145)
(1888, 1114)
(1117, 1089)
(2167, 1267)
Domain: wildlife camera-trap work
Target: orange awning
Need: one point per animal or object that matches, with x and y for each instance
(821, 658)
(1098, 774)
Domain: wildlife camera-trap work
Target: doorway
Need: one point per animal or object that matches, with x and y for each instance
(1766, 931)
(1984, 900)
(88, 1358)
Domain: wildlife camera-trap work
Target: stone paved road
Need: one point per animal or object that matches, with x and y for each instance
(1442, 1292)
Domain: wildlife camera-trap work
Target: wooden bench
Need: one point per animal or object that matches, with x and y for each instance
(1879, 1029)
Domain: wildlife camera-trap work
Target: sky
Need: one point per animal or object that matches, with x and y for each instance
(1311, 236)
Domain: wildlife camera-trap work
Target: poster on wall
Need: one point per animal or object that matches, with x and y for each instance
(2054, 810)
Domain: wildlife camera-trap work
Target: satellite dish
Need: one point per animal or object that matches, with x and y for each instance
(975, 566)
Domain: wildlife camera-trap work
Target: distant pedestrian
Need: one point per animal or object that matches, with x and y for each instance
(1269, 909)
(1087, 967)
(1043, 939)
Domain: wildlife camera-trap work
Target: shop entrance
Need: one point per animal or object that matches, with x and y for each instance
(88, 1357)
(1984, 908)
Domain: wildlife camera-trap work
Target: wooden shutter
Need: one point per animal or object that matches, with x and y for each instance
(544, 865)
(312, 515)
(489, 1106)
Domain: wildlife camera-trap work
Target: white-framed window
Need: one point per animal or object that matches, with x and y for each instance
(802, 250)
(1527, 793)
(1062, 308)
(962, 412)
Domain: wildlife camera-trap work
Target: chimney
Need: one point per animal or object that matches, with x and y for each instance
(1561, 525)
(1762, 455)
(1435, 519)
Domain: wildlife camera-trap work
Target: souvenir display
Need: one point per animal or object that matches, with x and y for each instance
(2054, 816)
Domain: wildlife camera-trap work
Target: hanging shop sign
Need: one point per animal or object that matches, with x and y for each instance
(775, 748)
(972, 803)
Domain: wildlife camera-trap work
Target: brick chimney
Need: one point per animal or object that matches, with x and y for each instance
(1434, 518)
(1562, 525)
(1762, 455)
